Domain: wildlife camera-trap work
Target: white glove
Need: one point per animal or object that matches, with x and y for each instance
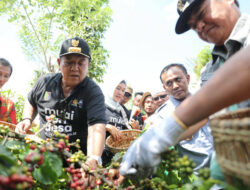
(144, 154)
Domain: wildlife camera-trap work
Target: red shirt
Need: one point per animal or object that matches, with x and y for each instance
(7, 110)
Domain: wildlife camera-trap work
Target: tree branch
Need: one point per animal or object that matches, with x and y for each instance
(47, 44)
(39, 41)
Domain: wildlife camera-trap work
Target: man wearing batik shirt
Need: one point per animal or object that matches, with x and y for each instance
(7, 107)
(8, 112)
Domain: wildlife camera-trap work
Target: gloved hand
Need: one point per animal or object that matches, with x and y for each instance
(144, 154)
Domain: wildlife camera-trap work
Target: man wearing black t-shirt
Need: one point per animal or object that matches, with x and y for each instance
(75, 100)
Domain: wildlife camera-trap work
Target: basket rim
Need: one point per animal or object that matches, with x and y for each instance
(13, 127)
(232, 120)
(112, 148)
(230, 113)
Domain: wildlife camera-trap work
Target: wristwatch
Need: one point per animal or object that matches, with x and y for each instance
(97, 158)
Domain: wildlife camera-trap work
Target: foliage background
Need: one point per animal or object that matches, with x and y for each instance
(203, 57)
(45, 24)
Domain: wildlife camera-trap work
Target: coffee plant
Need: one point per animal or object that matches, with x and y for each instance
(28, 162)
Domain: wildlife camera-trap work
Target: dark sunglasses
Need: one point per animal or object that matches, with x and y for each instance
(160, 97)
(128, 95)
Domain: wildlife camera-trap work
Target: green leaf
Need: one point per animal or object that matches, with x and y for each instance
(56, 162)
(50, 170)
(173, 186)
(118, 157)
(4, 170)
(202, 59)
(172, 178)
(15, 145)
(45, 175)
(161, 171)
(6, 157)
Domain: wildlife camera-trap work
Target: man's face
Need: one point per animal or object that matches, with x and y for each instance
(214, 21)
(137, 99)
(119, 92)
(149, 105)
(74, 68)
(126, 97)
(160, 98)
(4, 75)
(175, 82)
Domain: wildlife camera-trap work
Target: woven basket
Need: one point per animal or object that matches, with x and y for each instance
(13, 126)
(231, 132)
(124, 143)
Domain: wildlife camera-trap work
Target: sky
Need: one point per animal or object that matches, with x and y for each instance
(141, 41)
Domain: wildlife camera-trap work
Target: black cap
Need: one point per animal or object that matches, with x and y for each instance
(75, 46)
(185, 8)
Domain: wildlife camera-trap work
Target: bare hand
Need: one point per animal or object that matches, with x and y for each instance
(90, 180)
(134, 124)
(115, 176)
(23, 126)
(115, 133)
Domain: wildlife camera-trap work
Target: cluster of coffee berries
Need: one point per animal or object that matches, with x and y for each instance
(34, 159)
(27, 140)
(16, 181)
(185, 166)
(51, 118)
(77, 156)
(4, 129)
(77, 180)
(77, 144)
(63, 141)
(113, 179)
(169, 159)
(115, 165)
(204, 173)
(151, 184)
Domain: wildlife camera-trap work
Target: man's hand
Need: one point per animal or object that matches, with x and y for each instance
(23, 126)
(138, 161)
(115, 133)
(29, 113)
(134, 124)
(145, 153)
(90, 180)
(115, 177)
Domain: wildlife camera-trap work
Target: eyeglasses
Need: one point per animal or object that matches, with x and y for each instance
(160, 97)
(128, 95)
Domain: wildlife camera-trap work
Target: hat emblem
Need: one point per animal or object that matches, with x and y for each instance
(181, 7)
(75, 49)
(75, 42)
